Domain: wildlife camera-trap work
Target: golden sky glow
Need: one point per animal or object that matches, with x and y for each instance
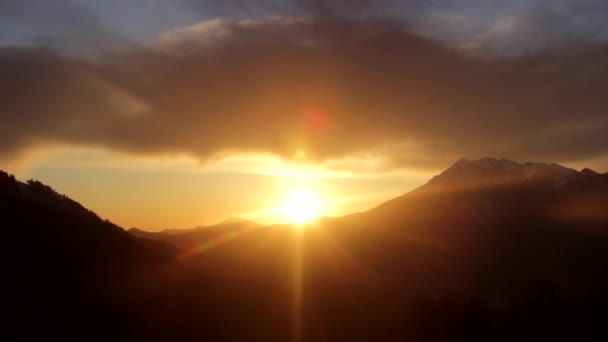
(178, 191)
(158, 193)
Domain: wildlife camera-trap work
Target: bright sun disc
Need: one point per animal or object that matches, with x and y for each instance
(301, 206)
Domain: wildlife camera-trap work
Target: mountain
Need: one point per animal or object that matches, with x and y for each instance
(505, 220)
(489, 249)
(59, 227)
(65, 264)
(491, 192)
(487, 238)
(186, 238)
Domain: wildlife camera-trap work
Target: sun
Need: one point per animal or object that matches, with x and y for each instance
(301, 206)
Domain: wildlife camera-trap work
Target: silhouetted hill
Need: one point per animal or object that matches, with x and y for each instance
(36, 214)
(65, 263)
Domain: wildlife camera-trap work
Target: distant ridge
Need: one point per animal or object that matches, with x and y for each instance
(184, 238)
(236, 220)
(224, 223)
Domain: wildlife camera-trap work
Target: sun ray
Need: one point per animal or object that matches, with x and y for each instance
(297, 286)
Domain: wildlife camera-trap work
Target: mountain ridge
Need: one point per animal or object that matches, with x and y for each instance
(463, 174)
(499, 256)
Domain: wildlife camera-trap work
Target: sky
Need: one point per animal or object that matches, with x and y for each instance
(159, 114)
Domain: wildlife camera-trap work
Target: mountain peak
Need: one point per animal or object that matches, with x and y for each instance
(588, 172)
(493, 171)
(484, 163)
(474, 168)
(506, 164)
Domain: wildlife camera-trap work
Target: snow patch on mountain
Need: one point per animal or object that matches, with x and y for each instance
(493, 171)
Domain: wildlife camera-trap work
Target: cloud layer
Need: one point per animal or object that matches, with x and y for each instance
(314, 87)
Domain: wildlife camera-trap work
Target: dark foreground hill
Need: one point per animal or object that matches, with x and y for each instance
(487, 250)
(66, 269)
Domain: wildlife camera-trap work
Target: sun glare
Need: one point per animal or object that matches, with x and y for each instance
(301, 206)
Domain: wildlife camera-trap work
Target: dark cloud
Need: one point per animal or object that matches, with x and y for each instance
(541, 25)
(316, 7)
(240, 8)
(61, 24)
(313, 8)
(329, 87)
